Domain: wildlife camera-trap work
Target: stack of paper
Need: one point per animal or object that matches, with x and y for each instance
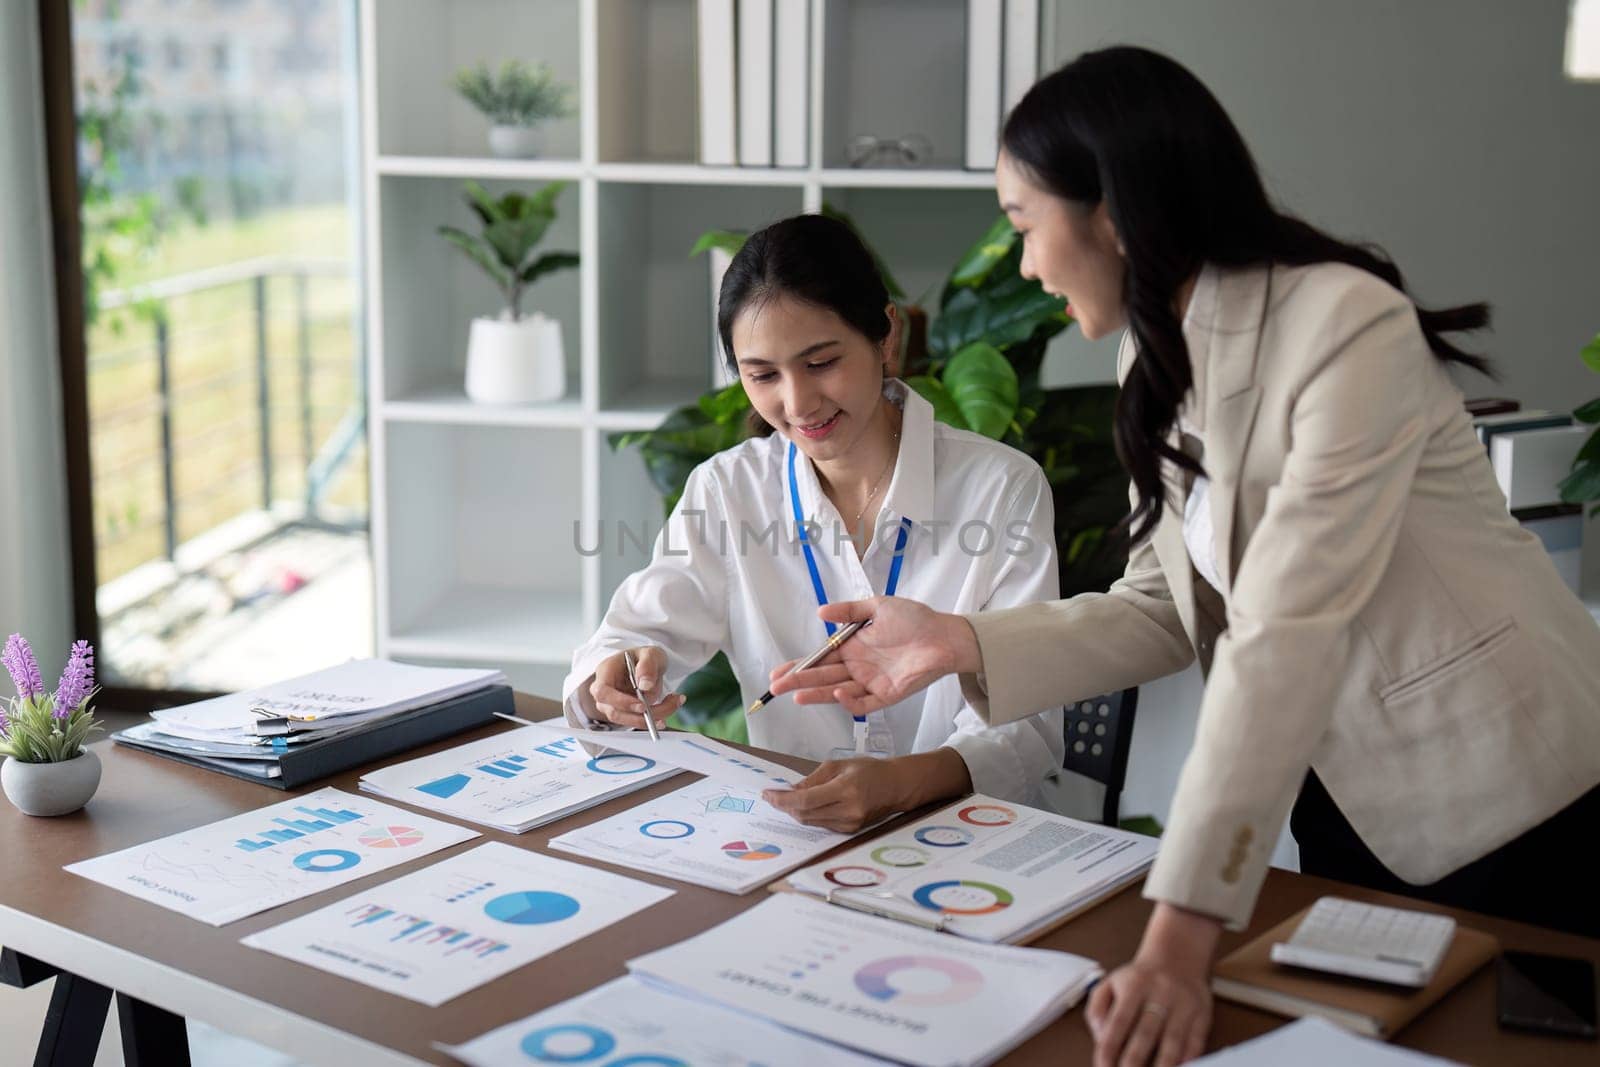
(879, 987)
(517, 780)
(451, 927)
(256, 728)
(709, 833)
(1316, 1043)
(627, 1021)
(984, 869)
(251, 862)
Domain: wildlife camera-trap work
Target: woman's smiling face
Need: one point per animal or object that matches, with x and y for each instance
(809, 374)
(1071, 249)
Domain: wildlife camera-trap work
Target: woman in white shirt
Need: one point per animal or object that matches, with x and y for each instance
(850, 489)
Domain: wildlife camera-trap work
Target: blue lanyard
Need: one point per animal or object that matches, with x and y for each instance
(811, 559)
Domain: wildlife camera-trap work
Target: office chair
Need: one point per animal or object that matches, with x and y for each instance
(1099, 733)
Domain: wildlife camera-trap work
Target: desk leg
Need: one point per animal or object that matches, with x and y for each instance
(73, 1023)
(151, 1036)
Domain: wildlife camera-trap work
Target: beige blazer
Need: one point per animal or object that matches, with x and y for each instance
(1386, 621)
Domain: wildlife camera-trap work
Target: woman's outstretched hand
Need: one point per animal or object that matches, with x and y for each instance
(907, 647)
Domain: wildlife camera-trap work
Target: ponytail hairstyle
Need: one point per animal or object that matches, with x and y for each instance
(814, 259)
(1137, 130)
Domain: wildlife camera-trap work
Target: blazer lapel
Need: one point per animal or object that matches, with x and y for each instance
(1226, 333)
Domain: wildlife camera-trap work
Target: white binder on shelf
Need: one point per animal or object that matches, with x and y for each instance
(755, 83)
(791, 88)
(715, 42)
(1021, 52)
(984, 38)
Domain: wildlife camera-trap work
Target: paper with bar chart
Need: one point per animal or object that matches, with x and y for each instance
(516, 780)
(708, 833)
(448, 928)
(230, 869)
(983, 868)
(627, 1021)
(884, 988)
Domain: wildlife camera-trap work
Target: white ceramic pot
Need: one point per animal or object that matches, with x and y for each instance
(518, 362)
(515, 142)
(51, 788)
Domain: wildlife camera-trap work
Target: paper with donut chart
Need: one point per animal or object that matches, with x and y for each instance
(627, 1021)
(876, 986)
(227, 870)
(697, 753)
(983, 868)
(515, 780)
(708, 833)
(451, 927)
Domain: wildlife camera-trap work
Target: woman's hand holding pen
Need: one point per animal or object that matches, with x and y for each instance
(614, 695)
(908, 647)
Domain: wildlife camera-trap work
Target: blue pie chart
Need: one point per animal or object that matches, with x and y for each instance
(531, 908)
(324, 860)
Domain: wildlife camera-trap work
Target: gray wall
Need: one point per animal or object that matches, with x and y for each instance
(34, 579)
(1443, 130)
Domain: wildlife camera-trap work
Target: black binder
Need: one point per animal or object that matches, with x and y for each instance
(306, 763)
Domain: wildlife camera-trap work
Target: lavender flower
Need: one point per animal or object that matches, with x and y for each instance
(19, 660)
(77, 681)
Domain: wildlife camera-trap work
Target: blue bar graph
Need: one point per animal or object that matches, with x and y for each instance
(490, 768)
(322, 819)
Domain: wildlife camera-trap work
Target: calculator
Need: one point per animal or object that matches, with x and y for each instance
(1347, 937)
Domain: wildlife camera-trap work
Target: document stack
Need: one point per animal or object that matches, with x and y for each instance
(294, 731)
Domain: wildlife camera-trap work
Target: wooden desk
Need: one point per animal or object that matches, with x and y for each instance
(203, 972)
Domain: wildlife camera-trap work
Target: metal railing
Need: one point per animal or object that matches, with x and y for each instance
(323, 462)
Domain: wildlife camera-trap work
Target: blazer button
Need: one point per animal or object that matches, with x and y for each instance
(1244, 836)
(1230, 874)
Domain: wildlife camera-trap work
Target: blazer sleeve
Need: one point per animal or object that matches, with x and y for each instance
(1312, 563)
(1043, 655)
(1009, 761)
(679, 602)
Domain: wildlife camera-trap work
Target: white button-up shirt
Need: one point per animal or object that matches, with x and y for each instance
(728, 574)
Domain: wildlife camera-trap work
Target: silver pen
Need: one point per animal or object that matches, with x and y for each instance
(839, 637)
(633, 680)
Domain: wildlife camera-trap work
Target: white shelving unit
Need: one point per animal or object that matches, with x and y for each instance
(485, 519)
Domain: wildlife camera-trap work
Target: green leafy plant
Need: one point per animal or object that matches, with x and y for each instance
(518, 94)
(513, 226)
(978, 364)
(1583, 484)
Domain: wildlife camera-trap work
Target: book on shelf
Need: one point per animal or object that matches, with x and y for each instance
(1021, 52)
(1249, 976)
(984, 41)
(984, 869)
(715, 50)
(754, 64)
(791, 81)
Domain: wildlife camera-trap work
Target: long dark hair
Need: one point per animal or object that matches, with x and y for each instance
(1137, 130)
(813, 258)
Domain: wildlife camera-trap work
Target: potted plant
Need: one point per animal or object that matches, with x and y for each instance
(513, 358)
(1582, 485)
(516, 99)
(48, 771)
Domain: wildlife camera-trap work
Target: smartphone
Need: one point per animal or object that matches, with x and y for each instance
(1549, 994)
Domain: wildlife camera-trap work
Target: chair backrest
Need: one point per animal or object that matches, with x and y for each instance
(1099, 733)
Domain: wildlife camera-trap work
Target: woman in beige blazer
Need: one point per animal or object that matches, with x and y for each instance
(1386, 650)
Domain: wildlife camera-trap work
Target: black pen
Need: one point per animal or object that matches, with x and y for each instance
(839, 637)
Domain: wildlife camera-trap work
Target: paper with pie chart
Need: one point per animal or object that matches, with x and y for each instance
(448, 928)
(884, 988)
(627, 1021)
(983, 868)
(516, 780)
(248, 863)
(708, 833)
